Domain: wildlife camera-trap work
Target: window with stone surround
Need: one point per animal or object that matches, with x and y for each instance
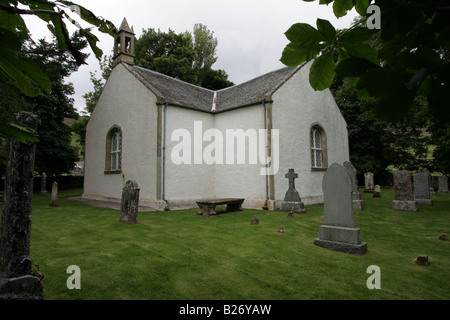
(113, 158)
(318, 148)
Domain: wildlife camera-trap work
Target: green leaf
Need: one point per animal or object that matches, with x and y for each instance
(361, 6)
(92, 40)
(26, 74)
(103, 25)
(354, 67)
(355, 43)
(322, 72)
(294, 54)
(340, 7)
(13, 23)
(304, 34)
(326, 29)
(18, 131)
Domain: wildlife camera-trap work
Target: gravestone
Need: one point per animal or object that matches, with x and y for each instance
(422, 185)
(17, 280)
(403, 192)
(339, 231)
(292, 201)
(44, 184)
(358, 203)
(443, 184)
(368, 182)
(130, 202)
(377, 191)
(54, 200)
(432, 192)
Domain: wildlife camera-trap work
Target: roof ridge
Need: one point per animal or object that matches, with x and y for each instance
(172, 78)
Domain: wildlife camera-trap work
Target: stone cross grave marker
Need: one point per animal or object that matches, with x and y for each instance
(54, 200)
(292, 200)
(443, 184)
(422, 185)
(339, 231)
(17, 281)
(130, 202)
(358, 203)
(403, 192)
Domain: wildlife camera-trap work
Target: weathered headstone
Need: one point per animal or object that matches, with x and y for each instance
(16, 277)
(403, 192)
(358, 203)
(422, 185)
(368, 182)
(443, 184)
(44, 184)
(130, 202)
(54, 200)
(377, 191)
(339, 231)
(292, 201)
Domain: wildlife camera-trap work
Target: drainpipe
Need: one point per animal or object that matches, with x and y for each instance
(267, 152)
(166, 208)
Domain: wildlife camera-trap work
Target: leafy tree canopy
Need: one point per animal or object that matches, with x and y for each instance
(21, 70)
(186, 56)
(410, 59)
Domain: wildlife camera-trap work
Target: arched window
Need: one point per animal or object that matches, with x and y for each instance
(113, 159)
(318, 148)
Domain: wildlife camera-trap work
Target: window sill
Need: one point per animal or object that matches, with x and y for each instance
(319, 169)
(113, 172)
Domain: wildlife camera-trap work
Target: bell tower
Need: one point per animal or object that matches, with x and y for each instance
(124, 45)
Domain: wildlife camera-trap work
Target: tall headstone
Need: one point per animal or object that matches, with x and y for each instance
(368, 182)
(54, 200)
(339, 231)
(292, 201)
(422, 185)
(130, 202)
(403, 192)
(358, 203)
(17, 280)
(443, 184)
(44, 184)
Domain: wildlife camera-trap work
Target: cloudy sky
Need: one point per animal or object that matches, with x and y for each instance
(250, 33)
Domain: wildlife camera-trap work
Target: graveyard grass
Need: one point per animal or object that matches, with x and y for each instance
(180, 255)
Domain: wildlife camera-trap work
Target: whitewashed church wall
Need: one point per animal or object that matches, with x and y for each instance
(125, 103)
(241, 180)
(188, 180)
(296, 108)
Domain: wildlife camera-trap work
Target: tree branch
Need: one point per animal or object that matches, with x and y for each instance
(15, 10)
(423, 6)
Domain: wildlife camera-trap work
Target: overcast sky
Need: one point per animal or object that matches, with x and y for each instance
(250, 33)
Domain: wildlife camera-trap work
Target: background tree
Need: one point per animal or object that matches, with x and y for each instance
(91, 98)
(205, 51)
(183, 56)
(167, 52)
(54, 153)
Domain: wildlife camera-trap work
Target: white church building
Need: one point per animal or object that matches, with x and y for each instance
(182, 143)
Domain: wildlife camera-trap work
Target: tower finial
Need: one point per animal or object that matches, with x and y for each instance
(124, 45)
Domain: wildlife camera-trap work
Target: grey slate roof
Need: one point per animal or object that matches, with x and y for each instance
(176, 92)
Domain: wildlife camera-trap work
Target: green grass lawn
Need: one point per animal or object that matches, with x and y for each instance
(180, 255)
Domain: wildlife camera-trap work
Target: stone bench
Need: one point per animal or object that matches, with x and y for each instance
(208, 207)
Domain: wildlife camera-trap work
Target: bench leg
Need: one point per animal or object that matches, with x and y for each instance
(232, 207)
(207, 209)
